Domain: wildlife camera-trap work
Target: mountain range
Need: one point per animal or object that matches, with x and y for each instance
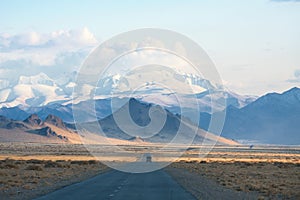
(33, 129)
(54, 130)
(273, 118)
(42, 92)
(176, 127)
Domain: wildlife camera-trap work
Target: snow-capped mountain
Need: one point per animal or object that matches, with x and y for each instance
(272, 118)
(183, 86)
(41, 91)
(38, 90)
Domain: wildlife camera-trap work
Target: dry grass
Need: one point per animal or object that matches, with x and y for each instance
(271, 180)
(25, 179)
(35, 169)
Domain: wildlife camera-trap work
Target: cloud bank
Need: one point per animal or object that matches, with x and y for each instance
(41, 48)
(53, 53)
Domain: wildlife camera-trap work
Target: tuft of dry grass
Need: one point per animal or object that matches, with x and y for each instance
(34, 167)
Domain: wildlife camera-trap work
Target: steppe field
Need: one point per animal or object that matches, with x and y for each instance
(268, 172)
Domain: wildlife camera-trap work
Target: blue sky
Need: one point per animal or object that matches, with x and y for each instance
(255, 44)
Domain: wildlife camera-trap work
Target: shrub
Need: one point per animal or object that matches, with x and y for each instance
(34, 161)
(34, 167)
(50, 164)
(11, 166)
(80, 162)
(92, 162)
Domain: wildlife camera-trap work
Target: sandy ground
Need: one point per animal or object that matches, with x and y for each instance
(265, 172)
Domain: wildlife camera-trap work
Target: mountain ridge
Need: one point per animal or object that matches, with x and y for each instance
(175, 126)
(273, 118)
(41, 91)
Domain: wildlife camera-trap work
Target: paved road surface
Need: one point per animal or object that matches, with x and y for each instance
(117, 185)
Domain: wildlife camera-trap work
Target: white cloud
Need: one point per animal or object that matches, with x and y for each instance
(43, 48)
(62, 38)
(53, 53)
(27, 39)
(81, 37)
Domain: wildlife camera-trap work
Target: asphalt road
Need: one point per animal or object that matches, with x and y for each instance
(117, 185)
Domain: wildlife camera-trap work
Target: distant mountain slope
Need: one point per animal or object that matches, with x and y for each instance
(273, 118)
(51, 130)
(15, 113)
(32, 128)
(65, 112)
(56, 121)
(139, 113)
(33, 120)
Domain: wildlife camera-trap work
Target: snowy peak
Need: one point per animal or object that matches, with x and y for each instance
(32, 91)
(192, 79)
(39, 79)
(40, 90)
(124, 84)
